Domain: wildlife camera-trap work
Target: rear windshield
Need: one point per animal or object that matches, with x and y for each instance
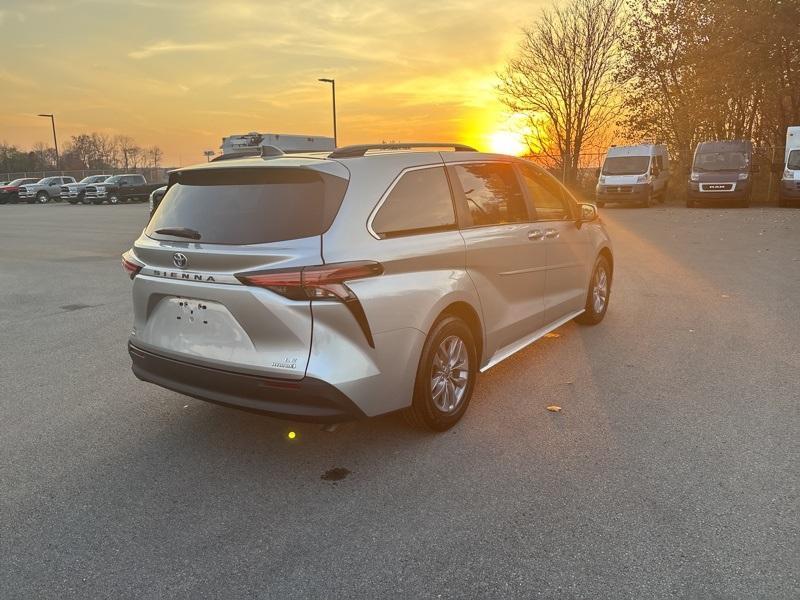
(250, 205)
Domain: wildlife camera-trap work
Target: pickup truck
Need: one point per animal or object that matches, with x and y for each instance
(73, 192)
(8, 192)
(43, 190)
(120, 188)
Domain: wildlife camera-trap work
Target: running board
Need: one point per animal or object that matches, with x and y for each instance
(515, 347)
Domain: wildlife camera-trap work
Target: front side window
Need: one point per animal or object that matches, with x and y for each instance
(793, 162)
(548, 197)
(492, 194)
(419, 202)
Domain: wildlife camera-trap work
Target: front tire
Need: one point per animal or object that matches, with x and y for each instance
(446, 376)
(113, 199)
(598, 295)
(42, 198)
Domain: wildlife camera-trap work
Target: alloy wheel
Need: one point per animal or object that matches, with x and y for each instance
(450, 374)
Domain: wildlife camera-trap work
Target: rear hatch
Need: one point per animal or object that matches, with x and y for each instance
(220, 221)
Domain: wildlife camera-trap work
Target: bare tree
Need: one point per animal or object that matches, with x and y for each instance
(154, 157)
(562, 79)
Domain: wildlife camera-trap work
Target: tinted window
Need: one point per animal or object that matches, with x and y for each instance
(547, 195)
(420, 201)
(249, 206)
(492, 193)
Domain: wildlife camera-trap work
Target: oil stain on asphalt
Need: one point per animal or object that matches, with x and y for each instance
(335, 474)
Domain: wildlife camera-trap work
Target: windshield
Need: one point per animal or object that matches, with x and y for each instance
(793, 162)
(720, 161)
(17, 182)
(94, 179)
(626, 165)
(114, 179)
(249, 206)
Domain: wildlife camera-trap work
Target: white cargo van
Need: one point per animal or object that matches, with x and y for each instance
(634, 175)
(790, 181)
(249, 142)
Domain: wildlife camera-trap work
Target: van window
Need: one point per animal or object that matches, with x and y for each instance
(793, 162)
(721, 161)
(626, 165)
(249, 205)
(492, 193)
(548, 196)
(419, 202)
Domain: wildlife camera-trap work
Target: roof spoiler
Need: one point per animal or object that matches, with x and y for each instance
(362, 149)
(262, 151)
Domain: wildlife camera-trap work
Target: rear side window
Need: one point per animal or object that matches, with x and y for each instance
(492, 194)
(249, 205)
(419, 202)
(548, 197)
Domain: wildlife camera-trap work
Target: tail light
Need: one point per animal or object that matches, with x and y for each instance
(130, 265)
(321, 282)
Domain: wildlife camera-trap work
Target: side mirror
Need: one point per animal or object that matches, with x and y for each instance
(588, 213)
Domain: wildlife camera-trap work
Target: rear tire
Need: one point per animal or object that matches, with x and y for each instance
(598, 295)
(445, 377)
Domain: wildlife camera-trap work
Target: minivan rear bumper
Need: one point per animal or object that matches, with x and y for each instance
(307, 399)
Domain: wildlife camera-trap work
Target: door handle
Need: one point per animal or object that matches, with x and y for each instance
(535, 234)
(551, 234)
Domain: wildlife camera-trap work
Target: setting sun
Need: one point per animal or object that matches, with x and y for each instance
(507, 142)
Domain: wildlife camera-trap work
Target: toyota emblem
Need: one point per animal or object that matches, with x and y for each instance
(180, 260)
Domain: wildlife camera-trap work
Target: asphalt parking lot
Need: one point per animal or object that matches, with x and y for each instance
(671, 472)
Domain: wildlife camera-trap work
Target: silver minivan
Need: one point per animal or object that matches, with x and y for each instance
(336, 286)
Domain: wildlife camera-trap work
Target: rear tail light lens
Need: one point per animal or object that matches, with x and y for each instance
(130, 265)
(321, 282)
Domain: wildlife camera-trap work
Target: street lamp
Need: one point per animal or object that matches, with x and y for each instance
(333, 91)
(55, 140)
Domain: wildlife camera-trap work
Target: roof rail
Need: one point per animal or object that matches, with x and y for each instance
(362, 149)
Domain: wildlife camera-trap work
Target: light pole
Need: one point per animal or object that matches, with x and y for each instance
(333, 91)
(55, 140)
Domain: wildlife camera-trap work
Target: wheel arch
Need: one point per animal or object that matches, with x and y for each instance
(606, 252)
(467, 313)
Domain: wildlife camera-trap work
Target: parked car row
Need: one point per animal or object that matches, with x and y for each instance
(721, 171)
(95, 189)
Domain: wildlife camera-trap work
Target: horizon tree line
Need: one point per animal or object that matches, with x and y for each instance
(83, 152)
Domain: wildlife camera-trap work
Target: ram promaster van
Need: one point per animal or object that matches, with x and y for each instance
(790, 181)
(634, 175)
(721, 171)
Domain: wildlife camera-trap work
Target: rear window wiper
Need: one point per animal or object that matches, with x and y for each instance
(183, 232)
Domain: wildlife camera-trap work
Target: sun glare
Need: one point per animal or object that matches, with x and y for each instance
(507, 142)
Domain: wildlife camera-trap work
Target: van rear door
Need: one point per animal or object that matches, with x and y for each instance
(212, 225)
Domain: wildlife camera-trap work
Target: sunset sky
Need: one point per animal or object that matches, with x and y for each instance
(181, 75)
